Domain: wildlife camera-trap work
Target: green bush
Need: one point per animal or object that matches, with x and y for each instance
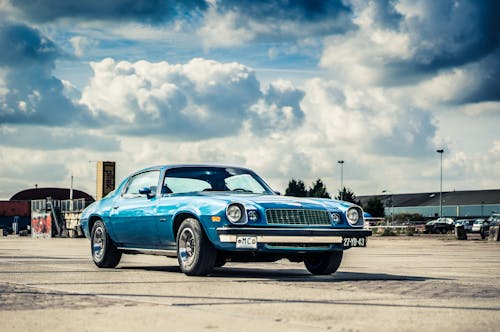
(410, 231)
(388, 232)
(406, 217)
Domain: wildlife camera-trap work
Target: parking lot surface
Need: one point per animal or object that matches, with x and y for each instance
(431, 283)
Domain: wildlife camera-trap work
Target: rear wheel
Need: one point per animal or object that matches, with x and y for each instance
(322, 264)
(195, 253)
(104, 252)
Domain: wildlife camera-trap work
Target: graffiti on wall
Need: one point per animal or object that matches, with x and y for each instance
(41, 224)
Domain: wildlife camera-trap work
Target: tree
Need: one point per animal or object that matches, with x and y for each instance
(296, 188)
(318, 189)
(348, 196)
(375, 207)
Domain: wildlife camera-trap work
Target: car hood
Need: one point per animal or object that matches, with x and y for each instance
(281, 202)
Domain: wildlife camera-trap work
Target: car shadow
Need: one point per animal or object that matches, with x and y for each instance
(287, 275)
(299, 275)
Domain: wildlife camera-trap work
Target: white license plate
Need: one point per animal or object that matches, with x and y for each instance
(247, 242)
(354, 242)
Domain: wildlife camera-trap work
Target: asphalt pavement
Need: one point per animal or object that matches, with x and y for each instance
(431, 283)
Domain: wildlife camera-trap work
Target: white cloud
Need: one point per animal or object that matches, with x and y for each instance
(228, 24)
(366, 120)
(280, 108)
(200, 99)
(360, 56)
(223, 30)
(81, 44)
(22, 169)
(339, 123)
(41, 138)
(393, 90)
(405, 42)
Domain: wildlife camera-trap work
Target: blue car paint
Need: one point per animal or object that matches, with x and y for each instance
(148, 222)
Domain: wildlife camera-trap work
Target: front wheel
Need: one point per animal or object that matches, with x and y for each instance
(104, 252)
(326, 263)
(195, 253)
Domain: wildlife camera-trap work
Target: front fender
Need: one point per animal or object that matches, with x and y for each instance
(204, 215)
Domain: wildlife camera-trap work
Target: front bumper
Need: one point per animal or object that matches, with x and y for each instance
(291, 236)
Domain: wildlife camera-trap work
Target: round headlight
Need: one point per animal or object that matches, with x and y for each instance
(234, 213)
(352, 216)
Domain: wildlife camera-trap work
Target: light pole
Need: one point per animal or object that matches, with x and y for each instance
(71, 194)
(440, 151)
(392, 203)
(341, 162)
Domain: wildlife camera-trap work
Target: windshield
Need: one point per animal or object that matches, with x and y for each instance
(195, 179)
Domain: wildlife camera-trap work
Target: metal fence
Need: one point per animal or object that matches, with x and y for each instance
(484, 210)
(68, 205)
(73, 205)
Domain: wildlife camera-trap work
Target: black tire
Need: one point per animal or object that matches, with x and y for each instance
(195, 253)
(103, 251)
(220, 260)
(322, 264)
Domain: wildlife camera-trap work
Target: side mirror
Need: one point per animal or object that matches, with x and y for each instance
(146, 191)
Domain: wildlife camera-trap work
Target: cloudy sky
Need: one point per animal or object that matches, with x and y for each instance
(284, 87)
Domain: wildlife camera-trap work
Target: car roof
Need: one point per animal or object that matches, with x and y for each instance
(170, 166)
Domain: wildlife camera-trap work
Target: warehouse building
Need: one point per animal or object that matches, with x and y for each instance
(17, 211)
(461, 204)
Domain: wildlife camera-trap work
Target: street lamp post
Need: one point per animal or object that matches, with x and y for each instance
(71, 194)
(341, 162)
(392, 204)
(440, 151)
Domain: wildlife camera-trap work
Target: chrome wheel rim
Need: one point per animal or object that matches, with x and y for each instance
(187, 246)
(98, 243)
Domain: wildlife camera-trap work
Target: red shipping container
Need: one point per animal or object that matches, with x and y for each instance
(15, 208)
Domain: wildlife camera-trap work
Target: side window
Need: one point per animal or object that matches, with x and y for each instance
(139, 181)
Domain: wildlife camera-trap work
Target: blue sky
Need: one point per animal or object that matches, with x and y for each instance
(286, 88)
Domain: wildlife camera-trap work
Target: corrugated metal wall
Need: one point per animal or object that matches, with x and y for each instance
(484, 210)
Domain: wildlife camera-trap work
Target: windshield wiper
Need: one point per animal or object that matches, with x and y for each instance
(242, 190)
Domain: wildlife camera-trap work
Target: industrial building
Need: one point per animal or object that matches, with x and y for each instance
(457, 204)
(16, 214)
(47, 212)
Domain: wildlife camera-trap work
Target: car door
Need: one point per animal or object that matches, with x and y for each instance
(133, 214)
(170, 204)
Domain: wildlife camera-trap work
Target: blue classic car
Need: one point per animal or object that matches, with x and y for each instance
(208, 215)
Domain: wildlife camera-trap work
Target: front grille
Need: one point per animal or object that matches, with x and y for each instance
(297, 217)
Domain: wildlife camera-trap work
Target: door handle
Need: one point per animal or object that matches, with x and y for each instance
(163, 219)
(115, 207)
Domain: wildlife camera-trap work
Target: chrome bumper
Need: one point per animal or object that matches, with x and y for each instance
(287, 235)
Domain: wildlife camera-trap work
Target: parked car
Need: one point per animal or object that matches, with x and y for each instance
(440, 225)
(480, 224)
(494, 219)
(467, 223)
(206, 215)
